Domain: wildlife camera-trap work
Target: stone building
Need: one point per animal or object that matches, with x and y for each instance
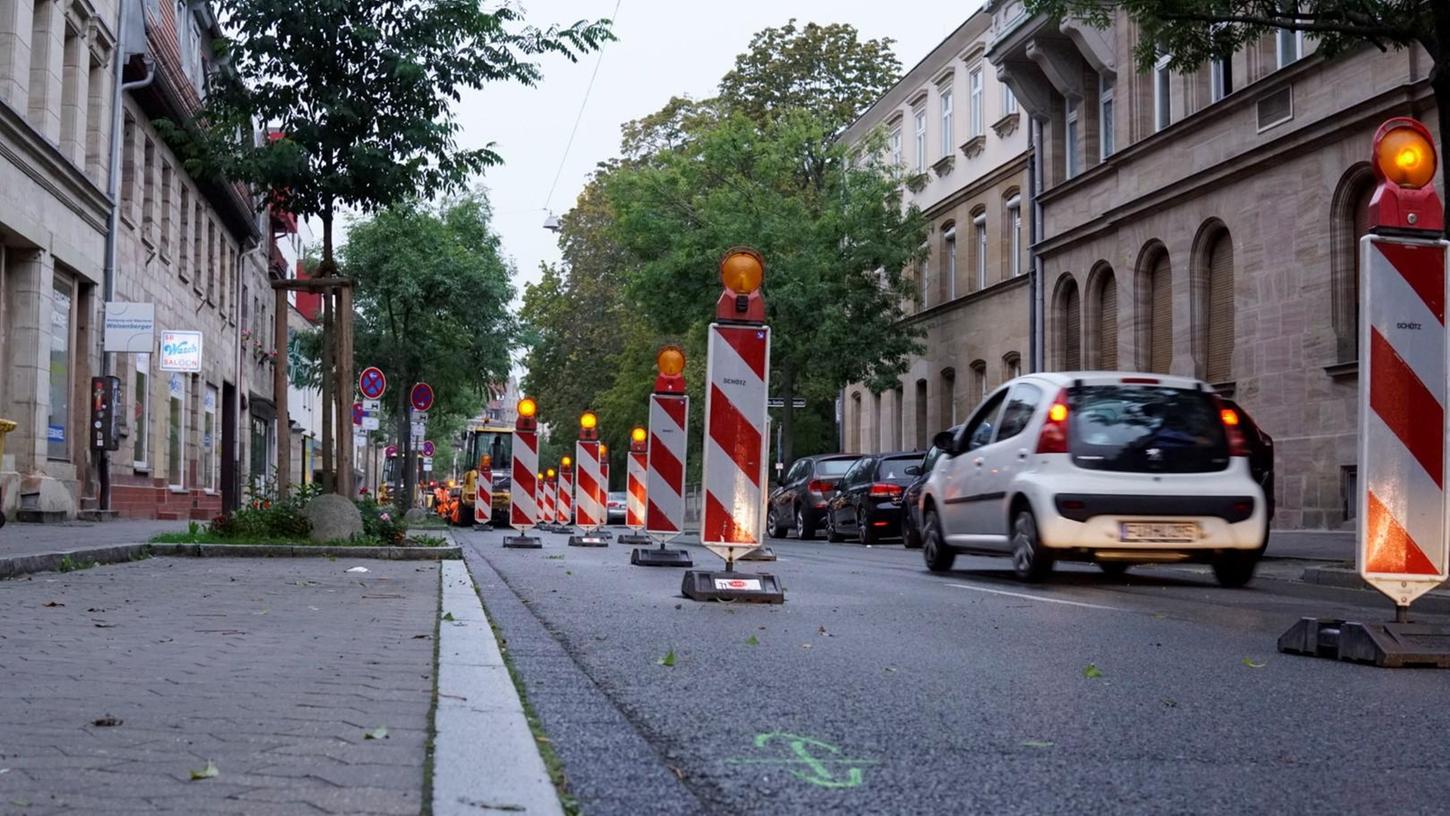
(1205, 223)
(962, 137)
(56, 81)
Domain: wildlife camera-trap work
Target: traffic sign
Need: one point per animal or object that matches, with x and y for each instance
(429, 449)
(421, 397)
(390, 451)
(357, 413)
(370, 423)
(372, 406)
(372, 383)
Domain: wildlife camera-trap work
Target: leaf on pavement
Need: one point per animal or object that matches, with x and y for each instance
(421, 637)
(1037, 744)
(1091, 671)
(209, 772)
(381, 732)
(448, 616)
(752, 641)
(1254, 664)
(823, 633)
(668, 659)
(53, 603)
(107, 721)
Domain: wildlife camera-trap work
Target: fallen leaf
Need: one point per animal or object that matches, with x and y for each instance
(805, 645)
(53, 603)
(891, 669)
(1037, 744)
(93, 609)
(448, 616)
(1091, 671)
(421, 637)
(105, 626)
(553, 558)
(209, 772)
(358, 569)
(107, 721)
(823, 633)
(378, 733)
(1169, 703)
(1254, 664)
(669, 659)
(679, 774)
(679, 606)
(568, 572)
(752, 641)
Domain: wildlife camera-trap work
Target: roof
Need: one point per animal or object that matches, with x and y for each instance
(1067, 378)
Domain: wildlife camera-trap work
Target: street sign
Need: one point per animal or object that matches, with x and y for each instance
(390, 451)
(421, 397)
(371, 383)
(427, 463)
(370, 423)
(429, 449)
(130, 327)
(779, 402)
(738, 368)
(372, 406)
(1403, 549)
(357, 413)
(181, 351)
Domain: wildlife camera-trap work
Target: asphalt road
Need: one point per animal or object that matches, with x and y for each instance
(881, 688)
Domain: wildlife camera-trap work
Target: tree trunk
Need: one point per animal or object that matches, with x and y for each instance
(787, 416)
(405, 453)
(327, 481)
(345, 388)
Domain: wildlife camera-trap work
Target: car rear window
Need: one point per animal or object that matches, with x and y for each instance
(833, 467)
(894, 470)
(1143, 428)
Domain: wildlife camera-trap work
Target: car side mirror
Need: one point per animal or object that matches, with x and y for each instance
(913, 470)
(943, 441)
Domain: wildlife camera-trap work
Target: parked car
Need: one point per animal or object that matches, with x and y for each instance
(615, 506)
(911, 500)
(1109, 467)
(799, 502)
(867, 501)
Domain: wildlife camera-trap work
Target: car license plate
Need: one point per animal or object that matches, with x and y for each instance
(1167, 531)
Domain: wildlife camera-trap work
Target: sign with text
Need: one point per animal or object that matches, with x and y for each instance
(130, 327)
(180, 351)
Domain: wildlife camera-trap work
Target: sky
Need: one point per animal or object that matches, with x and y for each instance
(664, 48)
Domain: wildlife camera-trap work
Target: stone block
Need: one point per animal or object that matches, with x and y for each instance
(333, 518)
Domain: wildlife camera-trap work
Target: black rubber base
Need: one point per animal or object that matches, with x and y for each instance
(587, 540)
(751, 587)
(1390, 645)
(522, 542)
(635, 540)
(759, 554)
(659, 557)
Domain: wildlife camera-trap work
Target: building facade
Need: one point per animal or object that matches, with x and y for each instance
(1206, 223)
(962, 138)
(57, 65)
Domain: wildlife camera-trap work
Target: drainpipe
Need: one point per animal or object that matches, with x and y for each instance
(113, 190)
(1034, 283)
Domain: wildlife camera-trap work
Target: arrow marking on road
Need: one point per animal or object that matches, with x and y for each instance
(819, 772)
(1039, 598)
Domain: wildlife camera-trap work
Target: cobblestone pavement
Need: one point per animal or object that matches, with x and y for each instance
(273, 670)
(29, 539)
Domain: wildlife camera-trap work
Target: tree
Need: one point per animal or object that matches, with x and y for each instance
(1193, 32)
(432, 292)
(826, 69)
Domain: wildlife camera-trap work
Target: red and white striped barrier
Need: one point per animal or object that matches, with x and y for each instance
(738, 372)
(669, 416)
(589, 497)
(523, 509)
(483, 497)
(565, 499)
(546, 508)
(1403, 544)
(634, 499)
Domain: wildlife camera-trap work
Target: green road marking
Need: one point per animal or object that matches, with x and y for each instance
(820, 772)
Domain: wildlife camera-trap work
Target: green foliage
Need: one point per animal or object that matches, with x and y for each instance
(381, 523)
(266, 516)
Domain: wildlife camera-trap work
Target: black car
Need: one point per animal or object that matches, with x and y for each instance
(911, 501)
(799, 502)
(867, 502)
(1261, 454)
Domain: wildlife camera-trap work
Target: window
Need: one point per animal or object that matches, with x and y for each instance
(183, 239)
(979, 224)
(979, 382)
(96, 98)
(166, 178)
(209, 441)
(1105, 320)
(1290, 47)
(198, 76)
(211, 257)
(198, 245)
(974, 84)
(921, 141)
(141, 412)
(258, 450)
(1105, 118)
(1009, 101)
(923, 274)
(176, 431)
(1011, 365)
(62, 327)
(1069, 327)
(128, 167)
(946, 122)
(853, 429)
(1018, 413)
(1220, 323)
(148, 191)
(1014, 221)
(1220, 78)
(1160, 315)
(978, 431)
(894, 145)
(949, 261)
(920, 406)
(1070, 139)
(40, 43)
(1162, 94)
(947, 397)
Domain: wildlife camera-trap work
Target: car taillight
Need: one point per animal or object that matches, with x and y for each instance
(1053, 438)
(819, 486)
(1238, 445)
(885, 490)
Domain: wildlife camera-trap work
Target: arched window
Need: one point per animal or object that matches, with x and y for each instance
(922, 433)
(1349, 221)
(1012, 238)
(1213, 302)
(949, 258)
(1011, 366)
(1068, 325)
(1102, 319)
(898, 421)
(877, 434)
(979, 383)
(853, 423)
(947, 398)
(1155, 301)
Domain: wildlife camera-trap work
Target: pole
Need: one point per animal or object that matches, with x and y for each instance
(279, 394)
(345, 388)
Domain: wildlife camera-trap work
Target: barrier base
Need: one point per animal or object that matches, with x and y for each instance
(659, 557)
(587, 540)
(635, 540)
(758, 554)
(522, 542)
(1389, 645)
(751, 587)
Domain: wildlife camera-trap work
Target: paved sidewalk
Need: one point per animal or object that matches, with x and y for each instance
(1313, 545)
(29, 539)
(272, 669)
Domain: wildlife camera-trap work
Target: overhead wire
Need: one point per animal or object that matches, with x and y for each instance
(583, 103)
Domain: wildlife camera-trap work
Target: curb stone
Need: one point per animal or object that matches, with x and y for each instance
(18, 565)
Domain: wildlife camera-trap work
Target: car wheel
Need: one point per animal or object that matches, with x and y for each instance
(803, 529)
(831, 534)
(777, 530)
(1235, 569)
(939, 556)
(1114, 568)
(910, 536)
(1029, 560)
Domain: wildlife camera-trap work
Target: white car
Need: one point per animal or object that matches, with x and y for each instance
(1111, 467)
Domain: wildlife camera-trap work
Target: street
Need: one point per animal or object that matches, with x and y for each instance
(881, 688)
